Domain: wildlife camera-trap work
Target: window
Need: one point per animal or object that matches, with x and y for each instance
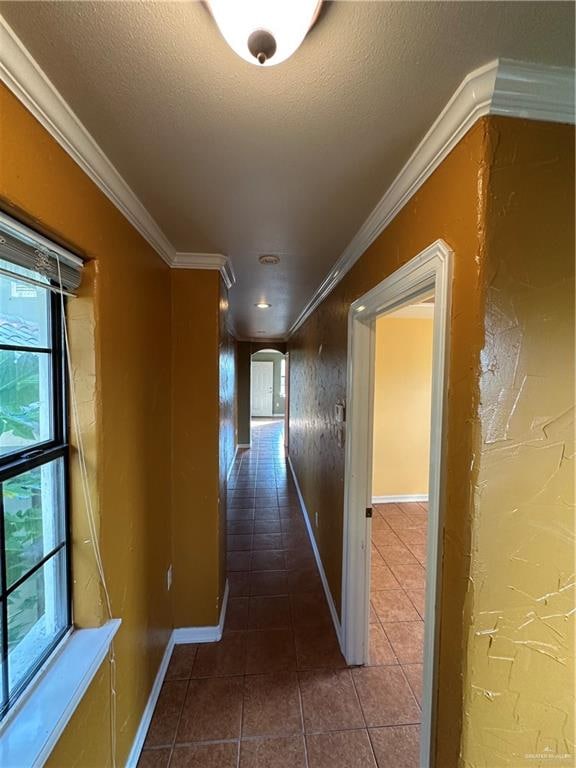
(283, 377)
(34, 541)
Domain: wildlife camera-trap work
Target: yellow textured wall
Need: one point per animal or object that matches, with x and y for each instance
(203, 443)
(123, 375)
(449, 205)
(503, 200)
(195, 480)
(519, 705)
(402, 390)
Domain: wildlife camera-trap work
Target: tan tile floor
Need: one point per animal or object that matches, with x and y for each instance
(275, 692)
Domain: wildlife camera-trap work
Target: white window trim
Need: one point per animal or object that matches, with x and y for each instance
(29, 733)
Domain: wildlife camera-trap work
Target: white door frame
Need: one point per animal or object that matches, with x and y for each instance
(430, 269)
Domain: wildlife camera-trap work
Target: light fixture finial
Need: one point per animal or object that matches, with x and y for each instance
(264, 32)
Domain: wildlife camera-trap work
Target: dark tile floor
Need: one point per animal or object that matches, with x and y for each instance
(275, 692)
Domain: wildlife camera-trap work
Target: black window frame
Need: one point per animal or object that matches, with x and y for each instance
(21, 461)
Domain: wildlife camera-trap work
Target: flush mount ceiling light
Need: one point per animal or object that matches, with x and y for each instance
(264, 32)
(269, 258)
(263, 305)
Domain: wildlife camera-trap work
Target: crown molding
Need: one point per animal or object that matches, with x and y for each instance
(502, 87)
(27, 81)
(534, 92)
(25, 78)
(206, 261)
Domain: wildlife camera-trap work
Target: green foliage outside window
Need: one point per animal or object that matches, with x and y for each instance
(20, 419)
(19, 401)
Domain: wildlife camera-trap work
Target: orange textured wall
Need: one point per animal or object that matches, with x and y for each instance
(120, 329)
(195, 447)
(504, 201)
(449, 205)
(519, 684)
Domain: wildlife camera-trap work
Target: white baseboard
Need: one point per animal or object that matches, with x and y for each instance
(406, 498)
(244, 445)
(203, 634)
(329, 598)
(177, 637)
(140, 737)
(232, 462)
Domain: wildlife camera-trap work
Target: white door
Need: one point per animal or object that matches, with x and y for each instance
(262, 388)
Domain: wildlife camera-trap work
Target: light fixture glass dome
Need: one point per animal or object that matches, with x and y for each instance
(264, 32)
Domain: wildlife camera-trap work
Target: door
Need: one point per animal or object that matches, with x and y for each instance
(262, 388)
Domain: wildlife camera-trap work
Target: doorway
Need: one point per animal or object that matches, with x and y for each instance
(426, 275)
(268, 393)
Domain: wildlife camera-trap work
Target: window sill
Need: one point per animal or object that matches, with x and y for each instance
(30, 732)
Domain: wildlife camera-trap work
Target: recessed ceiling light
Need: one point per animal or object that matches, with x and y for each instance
(361, 308)
(263, 305)
(264, 32)
(269, 258)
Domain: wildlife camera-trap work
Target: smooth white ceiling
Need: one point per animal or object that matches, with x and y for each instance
(233, 159)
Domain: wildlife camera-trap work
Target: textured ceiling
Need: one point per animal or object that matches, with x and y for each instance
(233, 159)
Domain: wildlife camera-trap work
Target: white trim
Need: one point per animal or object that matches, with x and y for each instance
(180, 636)
(327, 592)
(431, 269)
(206, 261)
(30, 734)
(244, 445)
(400, 499)
(534, 92)
(25, 78)
(146, 718)
(8, 224)
(203, 634)
(422, 311)
(231, 467)
(502, 87)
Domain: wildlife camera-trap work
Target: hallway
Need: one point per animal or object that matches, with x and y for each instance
(275, 691)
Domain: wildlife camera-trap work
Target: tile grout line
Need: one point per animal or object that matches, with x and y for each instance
(241, 717)
(179, 719)
(302, 721)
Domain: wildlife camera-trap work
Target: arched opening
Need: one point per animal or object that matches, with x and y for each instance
(268, 395)
(245, 351)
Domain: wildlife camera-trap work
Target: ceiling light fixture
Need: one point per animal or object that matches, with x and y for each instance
(264, 32)
(263, 305)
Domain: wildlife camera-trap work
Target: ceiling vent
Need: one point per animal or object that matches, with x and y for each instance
(269, 259)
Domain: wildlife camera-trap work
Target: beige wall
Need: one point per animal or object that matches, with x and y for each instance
(402, 388)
